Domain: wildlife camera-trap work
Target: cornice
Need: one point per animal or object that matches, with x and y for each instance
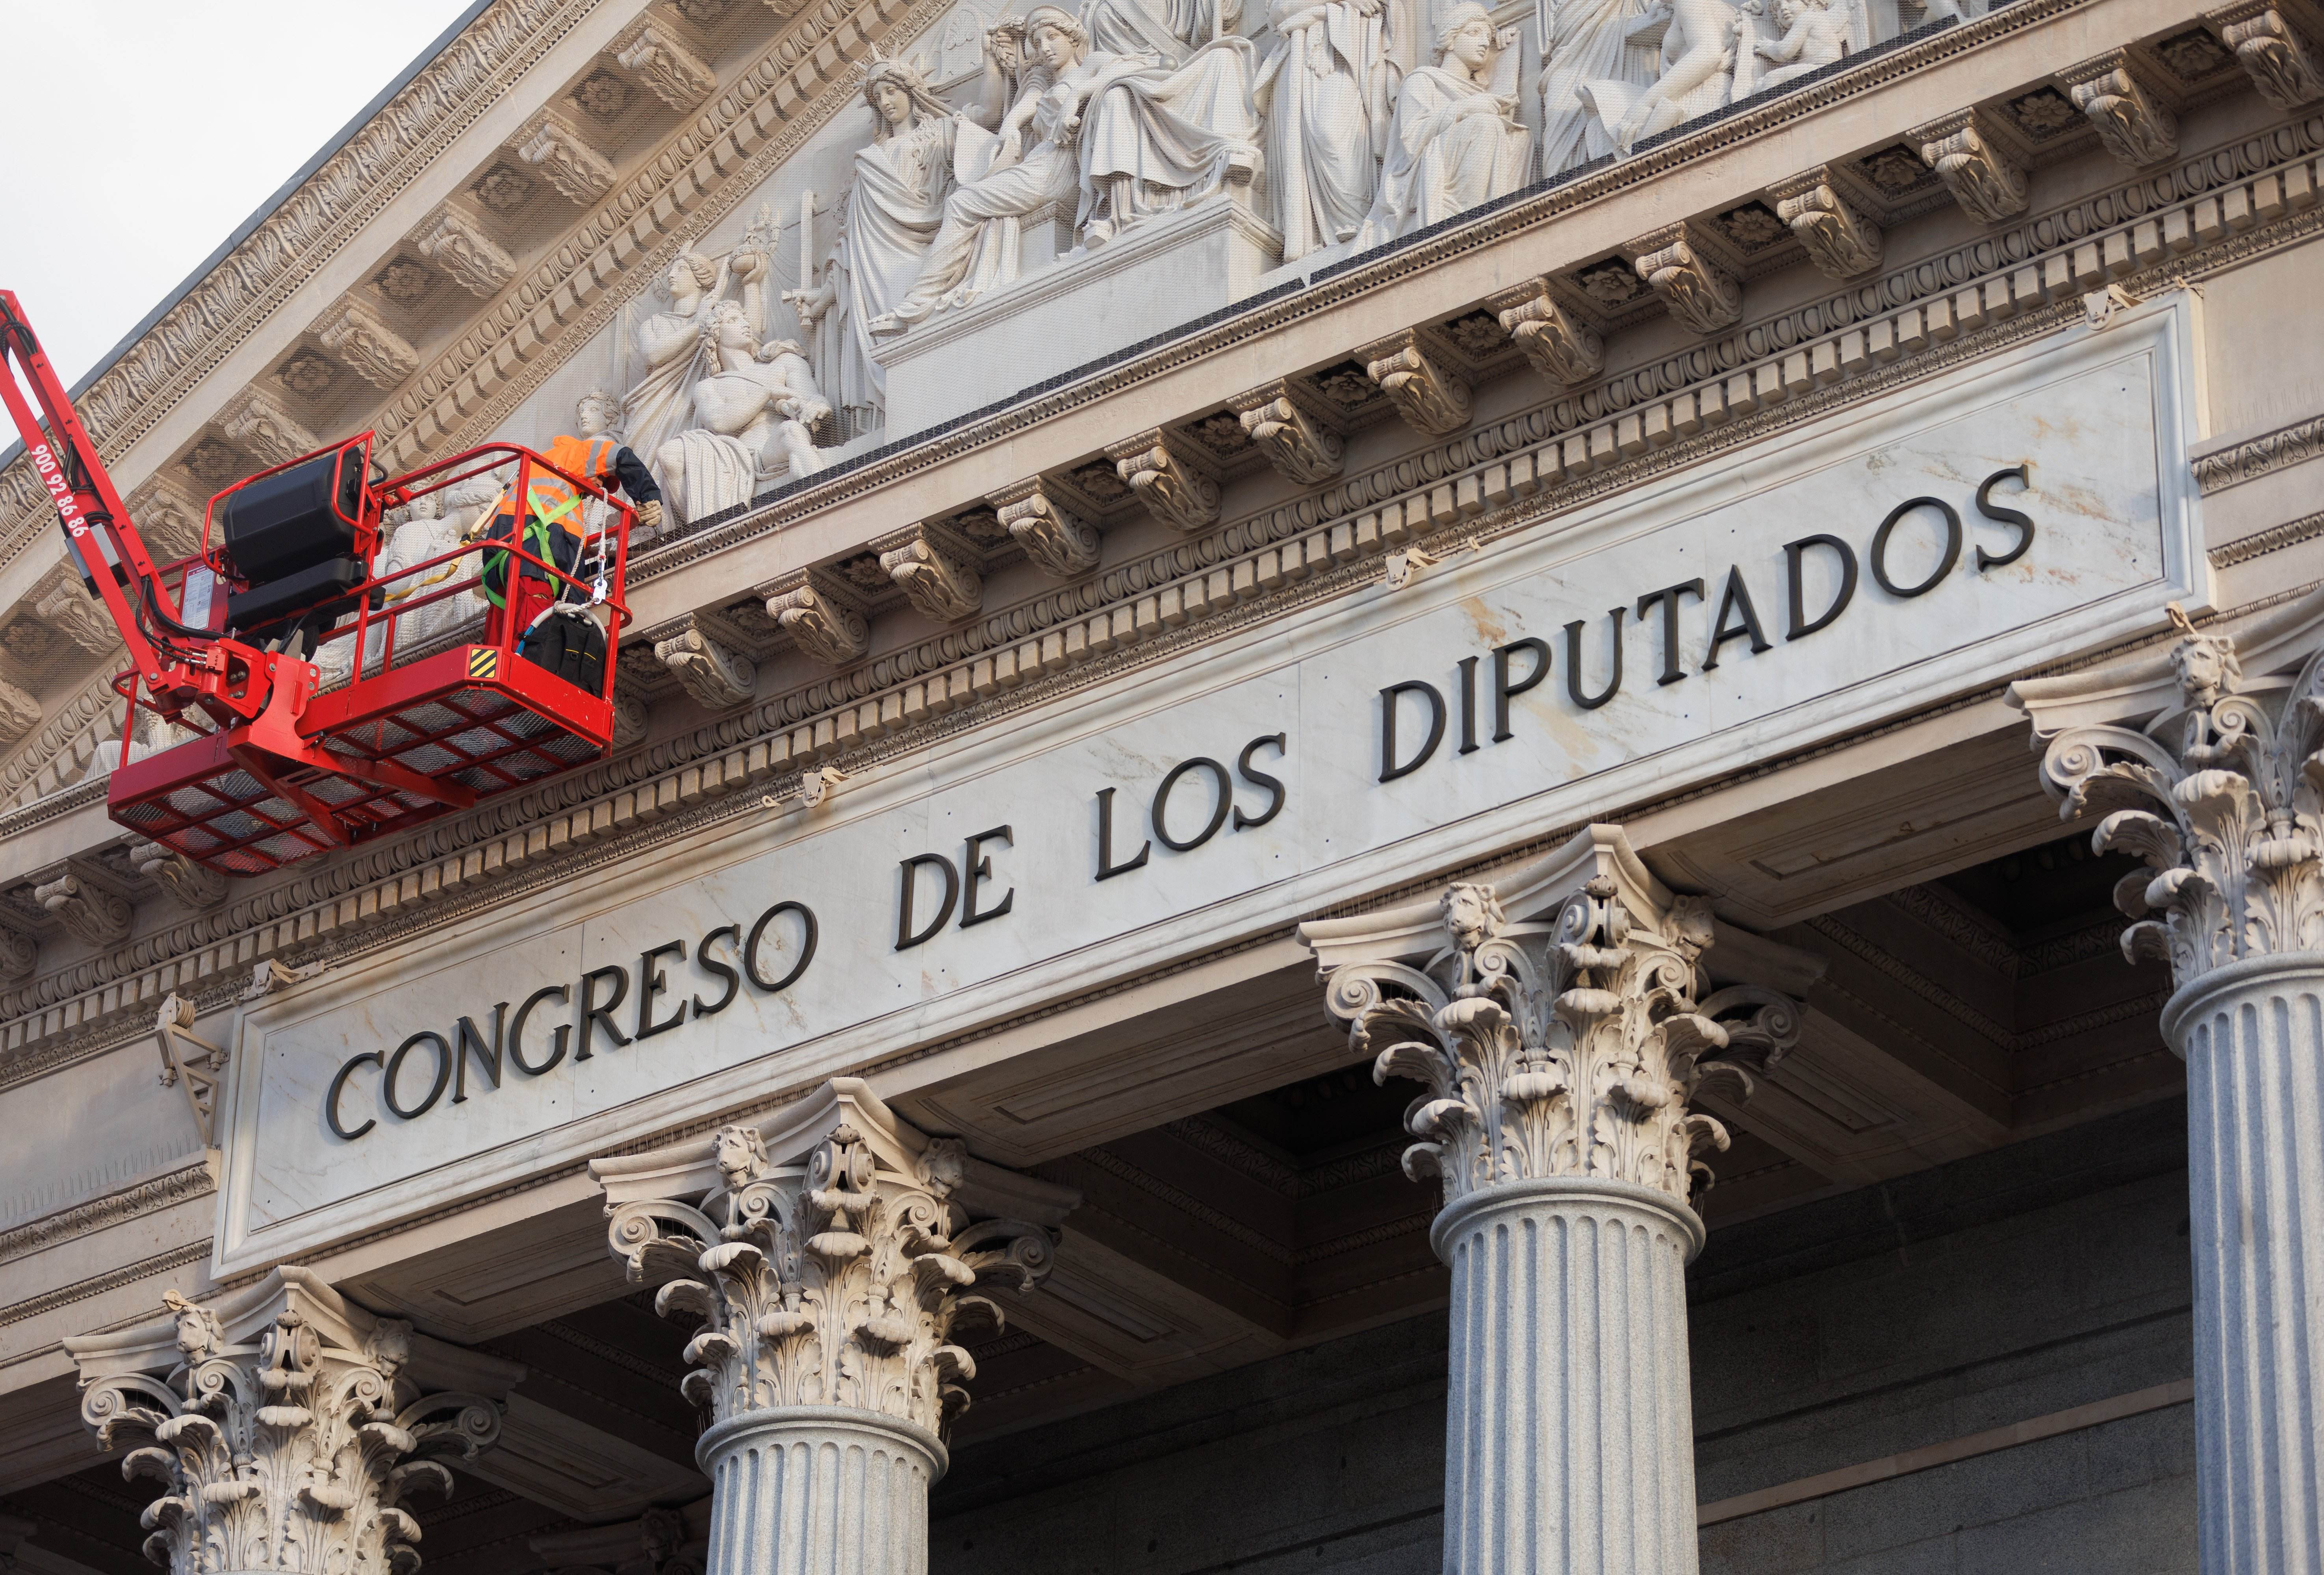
(160, 1192)
(1286, 558)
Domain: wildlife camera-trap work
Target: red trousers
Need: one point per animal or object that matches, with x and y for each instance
(531, 596)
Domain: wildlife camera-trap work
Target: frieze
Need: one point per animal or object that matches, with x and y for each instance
(2295, 443)
(830, 736)
(149, 1197)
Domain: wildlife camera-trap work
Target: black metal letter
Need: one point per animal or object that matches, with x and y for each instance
(979, 870)
(1735, 598)
(1888, 528)
(1389, 769)
(906, 937)
(652, 983)
(1106, 868)
(1573, 664)
(1504, 691)
(472, 1043)
(1218, 778)
(563, 1035)
(1258, 779)
(1793, 552)
(2001, 516)
(1669, 597)
(734, 981)
(339, 1086)
(595, 1016)
(434, 1090)
(809, 932)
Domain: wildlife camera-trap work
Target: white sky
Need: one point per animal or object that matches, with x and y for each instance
(135, 135)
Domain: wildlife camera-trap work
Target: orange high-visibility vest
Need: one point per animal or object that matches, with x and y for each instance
(555, 508)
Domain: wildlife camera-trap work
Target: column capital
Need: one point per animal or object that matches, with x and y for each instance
(287, 1427)
(829, 1249)
(2213, 794)
(1561, 1047)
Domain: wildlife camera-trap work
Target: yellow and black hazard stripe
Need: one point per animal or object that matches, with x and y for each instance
(483, 661)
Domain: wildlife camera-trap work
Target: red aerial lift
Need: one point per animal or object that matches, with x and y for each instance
(280, 768)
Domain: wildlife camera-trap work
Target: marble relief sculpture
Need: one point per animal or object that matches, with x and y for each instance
(1169, 122)
(1583, 42)
(1815, 35)
(1454, 143)
(921, 150)
(1326, 90)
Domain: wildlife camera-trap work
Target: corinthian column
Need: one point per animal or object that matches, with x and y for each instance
(1559, 1057)
(288, 1430)
(2218, 796)
(828, 1253)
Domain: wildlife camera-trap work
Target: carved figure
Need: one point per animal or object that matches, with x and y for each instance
(1327, 91)
(1582, 41)
(1698, 54)
(920, 150)
(1161, 32)
(1454, 141)
(755, 408)
(656, 407)
(1813, 37)
(1159, 139)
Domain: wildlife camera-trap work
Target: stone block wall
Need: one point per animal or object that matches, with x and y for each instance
(2008, 1286)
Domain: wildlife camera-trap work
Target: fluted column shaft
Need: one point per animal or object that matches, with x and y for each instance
(2253, 1036)
(820, 1491)
(1570, 1438)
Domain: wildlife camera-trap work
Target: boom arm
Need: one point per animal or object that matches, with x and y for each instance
(179, 665)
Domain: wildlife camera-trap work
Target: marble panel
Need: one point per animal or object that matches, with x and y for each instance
(2100, 421)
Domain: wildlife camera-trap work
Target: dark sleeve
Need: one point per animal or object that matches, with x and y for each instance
(635, 479)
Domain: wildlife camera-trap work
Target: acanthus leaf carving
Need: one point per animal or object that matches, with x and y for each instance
(360, 337)
(1059, 541)
(1837, 236)
(2281, 63)
(650, 49)
(818, 611)
(2229, 819)
(1566, 1047)
(1672, 263)
(1989, 183)
(1428, 390)
(2130, 120)
(702, 653)
(20, 712)
(70, 613)
(830, 1270)
(286, 1430)
(936, 571)
(1558, 344)
(550, 139)
(193, 887)
(19, 953)
(255, 420)
(455, 240)
(1169, 477)
(90, 911)
(1292, 428)
(168, 516)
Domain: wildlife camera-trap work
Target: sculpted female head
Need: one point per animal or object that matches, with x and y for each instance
(1054, 38)
(1466, 34)
(691, 273)
(897, 92)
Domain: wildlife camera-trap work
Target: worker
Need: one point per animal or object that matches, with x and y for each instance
(549, 616)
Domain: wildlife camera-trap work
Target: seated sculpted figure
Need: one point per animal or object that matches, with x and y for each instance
(755, 408)
(1697, 40)
(1453, 142)
(1167, 125)
(1813, 37)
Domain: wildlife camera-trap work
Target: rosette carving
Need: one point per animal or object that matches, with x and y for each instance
(2223, 800)
(1570, 1046)
(831, 1275)
(290, 1442)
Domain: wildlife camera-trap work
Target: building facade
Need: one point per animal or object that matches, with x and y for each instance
(1398, 782)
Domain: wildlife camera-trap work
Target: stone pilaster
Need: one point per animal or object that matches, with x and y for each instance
(290, 1430)
(828, 1253)
(2218, 796)
(1559, 1057)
